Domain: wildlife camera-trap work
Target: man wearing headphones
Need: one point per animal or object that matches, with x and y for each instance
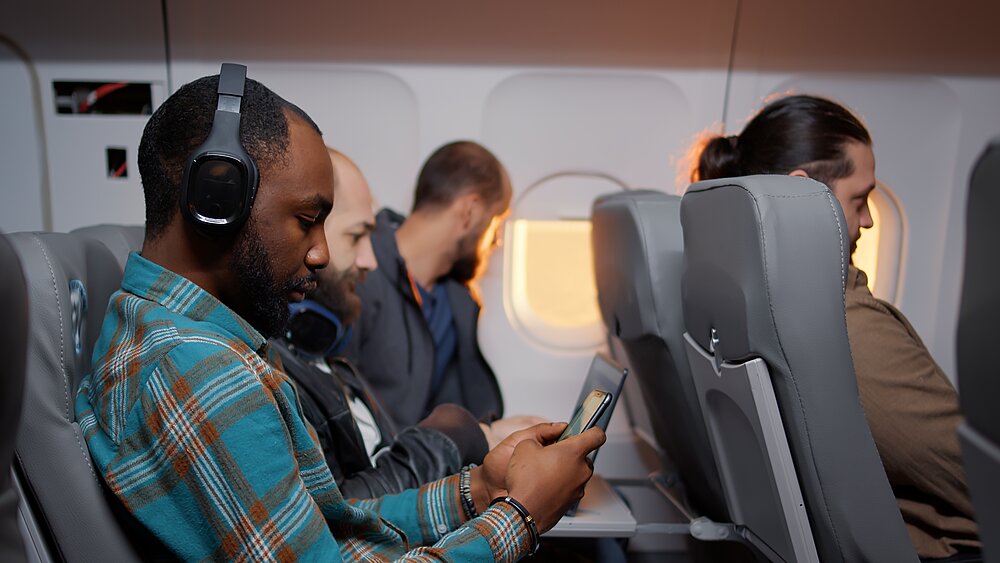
(367, 454)
(189, 420)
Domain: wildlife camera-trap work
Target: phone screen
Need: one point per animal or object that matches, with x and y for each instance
(587, 414)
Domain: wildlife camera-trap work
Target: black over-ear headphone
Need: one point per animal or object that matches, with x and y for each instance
(220, 179)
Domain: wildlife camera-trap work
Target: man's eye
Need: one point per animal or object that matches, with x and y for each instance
(307, 222)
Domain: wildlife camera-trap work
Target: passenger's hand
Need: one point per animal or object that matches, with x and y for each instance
(501, 428)
(548, 479)
(490, 480)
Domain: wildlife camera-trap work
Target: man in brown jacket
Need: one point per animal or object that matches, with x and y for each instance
(912, 410)
(911, 407)
(910, 404)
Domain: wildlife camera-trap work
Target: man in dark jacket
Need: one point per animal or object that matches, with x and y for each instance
(368, 455)
(416, 340)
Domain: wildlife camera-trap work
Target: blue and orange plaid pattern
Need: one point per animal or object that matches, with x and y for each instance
(202, 438)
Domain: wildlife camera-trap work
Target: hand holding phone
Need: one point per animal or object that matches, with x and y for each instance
(547, 480)
(586, 416)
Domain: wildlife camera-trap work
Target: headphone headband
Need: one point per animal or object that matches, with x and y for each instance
(220, 178)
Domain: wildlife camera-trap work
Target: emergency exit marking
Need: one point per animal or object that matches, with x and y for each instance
(117, 162)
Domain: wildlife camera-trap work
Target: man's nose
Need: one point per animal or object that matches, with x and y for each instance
(366, 260)
(319, 254)
(866, 218)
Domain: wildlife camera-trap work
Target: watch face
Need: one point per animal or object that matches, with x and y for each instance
(221, 189)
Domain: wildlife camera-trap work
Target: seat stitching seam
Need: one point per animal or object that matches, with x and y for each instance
(62, 352)
(776, 196)
(62, 336)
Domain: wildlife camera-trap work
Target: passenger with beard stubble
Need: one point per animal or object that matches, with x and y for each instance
(188, 417)
(910, 404)
(368, 456)
(416, 340)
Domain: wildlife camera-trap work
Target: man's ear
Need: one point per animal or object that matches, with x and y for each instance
(799, 172)
(470, 208)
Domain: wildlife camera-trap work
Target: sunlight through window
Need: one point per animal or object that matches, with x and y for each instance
(553, 273)
(865, 256)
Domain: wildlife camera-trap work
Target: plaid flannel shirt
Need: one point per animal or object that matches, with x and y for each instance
(201, 436)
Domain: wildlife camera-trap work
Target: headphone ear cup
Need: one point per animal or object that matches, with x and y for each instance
(216, 191)
(315, 330)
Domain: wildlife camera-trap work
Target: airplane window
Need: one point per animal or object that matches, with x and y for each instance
(552, 292)
(555, 272)
(880, 249)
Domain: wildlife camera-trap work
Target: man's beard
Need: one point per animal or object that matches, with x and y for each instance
(337, 292)
(466, 267)
(267, 298)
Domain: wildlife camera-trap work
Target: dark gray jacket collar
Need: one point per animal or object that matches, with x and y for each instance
(390, 261)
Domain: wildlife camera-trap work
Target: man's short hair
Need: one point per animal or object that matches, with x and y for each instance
(183, 122)
(457, 168)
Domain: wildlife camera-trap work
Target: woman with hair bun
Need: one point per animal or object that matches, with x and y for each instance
(910, 404)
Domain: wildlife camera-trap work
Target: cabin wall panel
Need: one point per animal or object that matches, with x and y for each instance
(633, 126)
(586, 33)
(21, 147)
(916, 37)
(115, 40)
(82, 192)
(113, 31)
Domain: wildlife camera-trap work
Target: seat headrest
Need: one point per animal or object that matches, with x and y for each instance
(120, 239)
(746, 238)
(765, 266)
(979, 315)
(70, 279)
(638, 258)
(637, 238)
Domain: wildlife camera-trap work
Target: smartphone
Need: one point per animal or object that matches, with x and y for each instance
(586, 416)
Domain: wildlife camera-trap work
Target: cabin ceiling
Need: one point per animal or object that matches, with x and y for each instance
(918, 36)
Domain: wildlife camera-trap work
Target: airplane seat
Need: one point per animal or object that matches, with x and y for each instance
(978, 334)
(66, 510)
(120, 239)
(638, 248)
(13, 350)
(765, 264)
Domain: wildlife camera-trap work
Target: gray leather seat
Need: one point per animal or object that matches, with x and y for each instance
(978, 334)
(120, 239)
(765, 263)
(66, 512)
(638, 250)
(13, 348)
